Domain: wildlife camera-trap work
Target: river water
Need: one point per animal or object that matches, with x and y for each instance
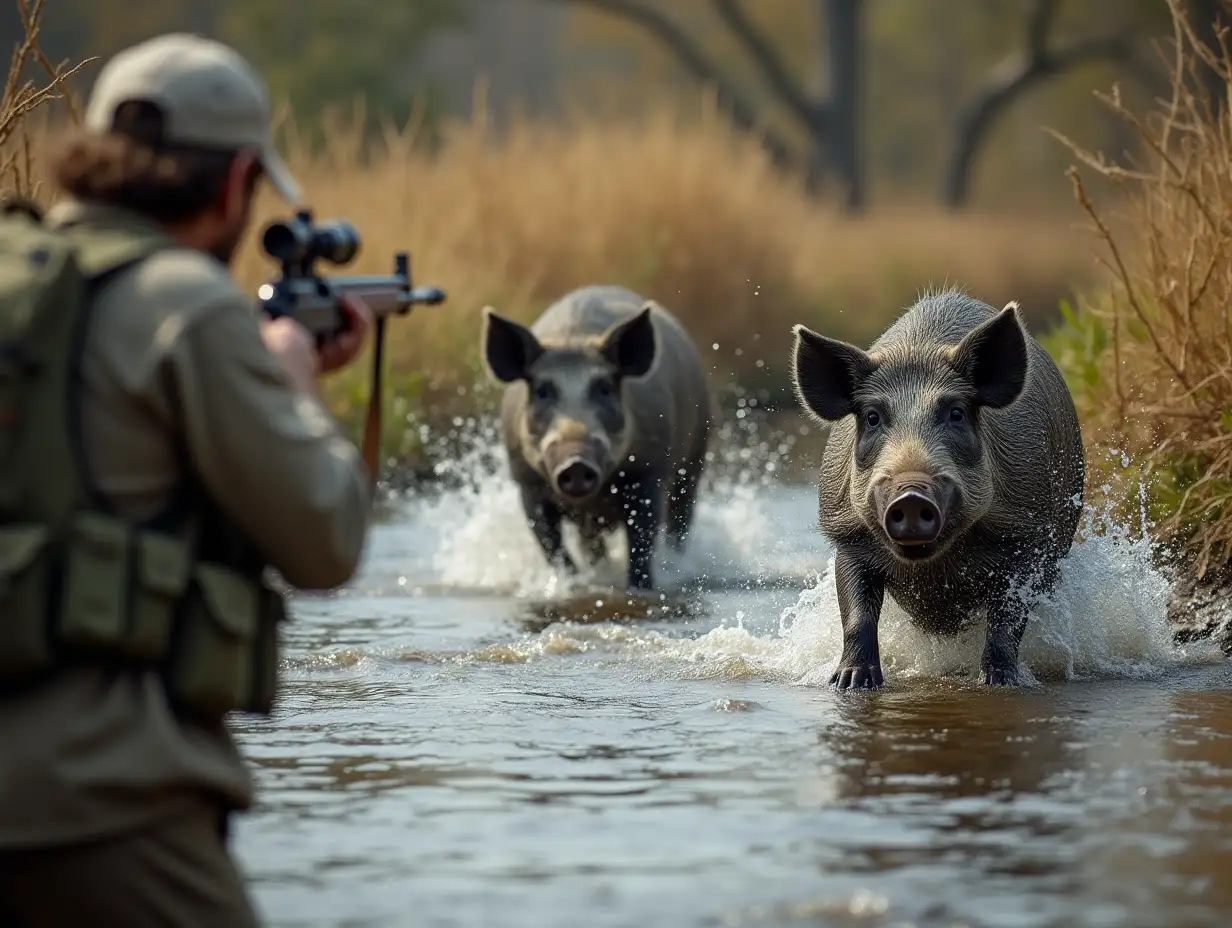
(464, 739)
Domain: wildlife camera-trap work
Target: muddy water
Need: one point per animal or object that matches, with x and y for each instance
(464, 739)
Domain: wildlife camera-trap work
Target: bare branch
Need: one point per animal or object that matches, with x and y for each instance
(691, 56)
(809, 112)
(19, 99)
(1039, 25)
(1012, 78)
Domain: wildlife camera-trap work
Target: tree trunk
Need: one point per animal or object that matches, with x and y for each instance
(843, 24)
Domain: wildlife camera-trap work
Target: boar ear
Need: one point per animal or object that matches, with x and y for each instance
(631, 345)
(993, 357)
(508, 347)
(826, 373)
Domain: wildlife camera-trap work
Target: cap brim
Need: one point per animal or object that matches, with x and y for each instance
(280, 177)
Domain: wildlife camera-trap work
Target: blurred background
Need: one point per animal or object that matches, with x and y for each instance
(883, 101)
(749, 164)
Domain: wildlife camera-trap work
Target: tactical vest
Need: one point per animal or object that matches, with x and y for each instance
(182, 595)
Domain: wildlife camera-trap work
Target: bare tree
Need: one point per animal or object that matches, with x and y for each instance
(1037, 62)
(832, 124)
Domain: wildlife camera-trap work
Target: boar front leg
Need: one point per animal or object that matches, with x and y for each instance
(1007, 621)
(545, 519)
(861, 592)
(643, 509)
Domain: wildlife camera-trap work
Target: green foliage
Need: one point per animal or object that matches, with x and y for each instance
(1078, 345)
(406, 417)
(315, 54)
(321, 54)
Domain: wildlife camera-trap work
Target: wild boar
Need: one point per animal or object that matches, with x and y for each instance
(605, 420)
(952, 477)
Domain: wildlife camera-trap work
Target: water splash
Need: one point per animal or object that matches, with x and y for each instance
(1106, 618)
(484, 543)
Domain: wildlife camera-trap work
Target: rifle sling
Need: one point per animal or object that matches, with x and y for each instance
(372, 427)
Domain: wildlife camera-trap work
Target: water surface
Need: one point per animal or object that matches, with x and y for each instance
(465, 739)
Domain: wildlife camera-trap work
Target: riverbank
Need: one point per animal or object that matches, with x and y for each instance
(1146, 356)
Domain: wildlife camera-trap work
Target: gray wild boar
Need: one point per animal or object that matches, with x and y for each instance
(953, 474)
(605, 420)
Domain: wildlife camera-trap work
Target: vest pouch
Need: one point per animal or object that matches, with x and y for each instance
(94, 612)
(25, 639)
(211, 665)
(163, 568)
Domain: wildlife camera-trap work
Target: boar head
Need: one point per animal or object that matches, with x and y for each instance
(919, 471)
(574, 427)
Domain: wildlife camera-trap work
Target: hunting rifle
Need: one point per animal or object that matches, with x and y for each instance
(312, 299)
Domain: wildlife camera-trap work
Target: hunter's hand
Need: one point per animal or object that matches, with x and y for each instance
(344, 348)
(295, 349)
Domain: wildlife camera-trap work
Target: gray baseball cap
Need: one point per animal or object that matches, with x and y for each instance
(208, 93)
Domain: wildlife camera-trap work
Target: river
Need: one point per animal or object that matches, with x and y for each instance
(464, 740)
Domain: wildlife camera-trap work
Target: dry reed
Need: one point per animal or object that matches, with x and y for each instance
(22, 97)
(1152, 360)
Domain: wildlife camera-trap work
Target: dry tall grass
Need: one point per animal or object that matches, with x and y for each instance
(687, 212)
(21, 97)
(683, 209)
(1151, 362)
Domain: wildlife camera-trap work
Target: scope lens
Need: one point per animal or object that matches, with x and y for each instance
(283, 241)
(336, 241)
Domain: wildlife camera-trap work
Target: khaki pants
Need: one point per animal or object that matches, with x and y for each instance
(174, 873)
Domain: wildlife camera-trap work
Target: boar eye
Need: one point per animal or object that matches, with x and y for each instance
(873, 418)
(603, 389)
(543, 391)
(957, 414)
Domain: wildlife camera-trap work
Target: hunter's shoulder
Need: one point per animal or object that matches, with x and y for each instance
(173, 279)
(182, 280)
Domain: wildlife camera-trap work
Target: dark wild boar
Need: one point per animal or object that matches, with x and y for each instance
(953, 475)
(605, 421)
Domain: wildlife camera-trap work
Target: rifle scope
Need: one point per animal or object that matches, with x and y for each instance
(299, 241)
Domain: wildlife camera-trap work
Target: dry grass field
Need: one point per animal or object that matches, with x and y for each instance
(687, 212)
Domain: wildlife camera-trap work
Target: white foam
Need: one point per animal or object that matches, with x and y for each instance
(484, 542)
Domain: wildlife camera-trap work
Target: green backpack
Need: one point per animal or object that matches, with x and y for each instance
(76, 581)
(46, 278)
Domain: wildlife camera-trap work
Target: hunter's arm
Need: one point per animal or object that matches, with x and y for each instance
(272, 458)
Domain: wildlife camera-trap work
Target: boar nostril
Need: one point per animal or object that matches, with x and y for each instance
(577, 479)
(913, 519)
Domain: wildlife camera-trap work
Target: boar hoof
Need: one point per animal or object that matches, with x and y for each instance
(858, 677)
(999, 676)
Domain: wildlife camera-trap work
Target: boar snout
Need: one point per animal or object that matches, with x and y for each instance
(912, 519)
(576, 479)
(575, 467)
(913, 509)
